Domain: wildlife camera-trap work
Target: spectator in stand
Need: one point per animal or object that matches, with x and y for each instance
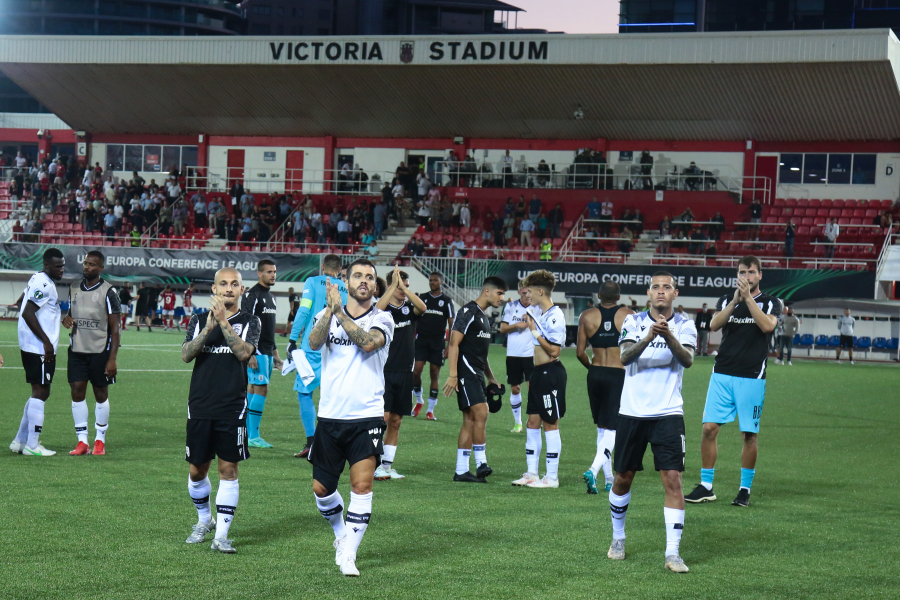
(379, 217)
(246, 228)
(284, 210)
(179, 216)
(21, 161)
(627, 238)
(469, 171)
(165, 219)
(423, 184)
(343, 231)
(446, 213)
(300, 229)
(417, 247)
(109, 221)
(716, 231)
(702, 322)
(506, 168)
(497, 229)
(646, 163)
(509, 209)
(201, 219)
(832, 231)
(542, 225)
(698, 241)
(884, 221)
(27, 228)
(215, 218)
(456, 205)
(265, 231)
(509, 223)
(691, 182)
(119, 214)
(543, 170)
(368, 237)
(546, 250)
(790, 231)
(535, 206)
(638, 225)
(372, 249)
(606, 214)
(465, 214)
(556, 219)
(444, 250)
(592, 235)
(90, 217)
(233, 227)
(72, 203)
(485, 173)
(458, 247)
(17, 230)
(237, 194)
(521, 210)
(686, 218)
(434, 196)
(248, 202)
(424, 214)
(526, 227)
(135, 237)
(137, 219)
(756, 211)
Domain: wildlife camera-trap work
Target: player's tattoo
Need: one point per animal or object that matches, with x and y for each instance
(366, 340)
(683, 354)
(319, 333)
(241, 349)
(190, 350)
(630, 351)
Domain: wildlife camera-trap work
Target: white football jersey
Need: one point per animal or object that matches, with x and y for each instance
(519, 342)
(353, 380)
(551, 325)
(41, 290)
(653, 382)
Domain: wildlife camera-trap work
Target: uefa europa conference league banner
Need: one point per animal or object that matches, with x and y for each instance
(787, 284)
(579, 279)
(161, 265)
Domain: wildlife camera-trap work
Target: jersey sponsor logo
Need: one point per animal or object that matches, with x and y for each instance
(483, 334)
(216, 350)
(268, 311)
(742, 321)
(332, 339)
(402, 324)
(431, 311)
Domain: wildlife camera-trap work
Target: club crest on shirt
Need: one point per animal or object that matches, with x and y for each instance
(238, 328)
(405, 310)
(440, 303)
(760, 305)
(607, 326)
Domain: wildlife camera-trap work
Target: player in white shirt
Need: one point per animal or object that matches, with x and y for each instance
(38, 327)
(354, 342)
(656, 347)
(845, 326)
(519, 351)
(547, 386)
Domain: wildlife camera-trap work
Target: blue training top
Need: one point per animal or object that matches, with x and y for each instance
(312, 303)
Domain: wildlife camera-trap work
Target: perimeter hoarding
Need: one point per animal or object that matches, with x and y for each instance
(160, 264)
(788, 284)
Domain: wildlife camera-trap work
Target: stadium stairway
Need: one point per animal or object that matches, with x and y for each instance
(394, 243)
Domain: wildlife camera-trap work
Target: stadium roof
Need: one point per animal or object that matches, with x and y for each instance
(767, 86)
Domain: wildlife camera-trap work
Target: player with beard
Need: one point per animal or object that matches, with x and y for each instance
(355, 342)
(222, 341)
(467, 359)
(405, 308)
(737, 386)
(38, 330)
(93, 347)
(601, 328)
(656, 347)
(431, 341)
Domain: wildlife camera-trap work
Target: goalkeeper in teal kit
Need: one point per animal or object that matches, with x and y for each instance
(312, 303)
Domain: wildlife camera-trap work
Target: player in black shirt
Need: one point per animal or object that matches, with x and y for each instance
(406, 308)
(142, 310)
(293, 305)
(125, 299)
(738, 383)
(431, 341)
(259, 301)
(467, 359)
(222, 341)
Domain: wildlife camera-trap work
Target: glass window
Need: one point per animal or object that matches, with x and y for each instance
(789, 170)
(109, 8)
(109, 28)
(815, 168)
(839, 168)
(134, 158)
(115, 156)
(171, 158)
(324, 15)
(152, 158)
(864, 169)
(188, 156)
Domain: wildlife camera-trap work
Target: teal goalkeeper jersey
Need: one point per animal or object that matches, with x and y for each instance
(312, 303)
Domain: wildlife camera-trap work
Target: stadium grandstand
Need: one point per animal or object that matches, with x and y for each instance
(691, 149)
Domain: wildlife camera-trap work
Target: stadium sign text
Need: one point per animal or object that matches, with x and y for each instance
(372, 51)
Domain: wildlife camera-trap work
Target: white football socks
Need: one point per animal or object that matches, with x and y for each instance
(432, 402)
(480, 454)
(532, 449)
(199, 492)
(101, 419)
(358, 514)
(22, 434)
(35, 422)
(462, 460)
(226, 504)
(332, 508)
(674, 529)
(80, 416)
(618, 507)
(515, 402)
(387, 459)
(554, 447)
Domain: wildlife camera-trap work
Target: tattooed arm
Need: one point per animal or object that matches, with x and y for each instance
(192, 345)
(630, 351)
(368, 341)
(319, 333)
(242, 350)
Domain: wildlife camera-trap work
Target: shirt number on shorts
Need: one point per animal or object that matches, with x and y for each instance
(240, 437)
(757, 412)
(683, 449)
(548, 401)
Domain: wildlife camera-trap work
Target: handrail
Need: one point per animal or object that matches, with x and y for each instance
(280, 179)
(569, 243)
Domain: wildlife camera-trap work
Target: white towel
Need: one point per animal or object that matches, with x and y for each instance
(298, 361)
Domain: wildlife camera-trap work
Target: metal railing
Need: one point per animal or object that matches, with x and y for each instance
(275, 179)
(889, 240)
(768, 262)
(595, 176)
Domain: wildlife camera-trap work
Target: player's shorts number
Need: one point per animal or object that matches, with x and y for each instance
(683, 449)
(240, 436)
(757, 412)
(548, 401)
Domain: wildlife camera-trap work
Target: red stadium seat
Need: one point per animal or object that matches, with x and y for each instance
(826, 203)
(838, 203)
(815, 203)
(835, 212)
(791, 202)
(779, 202)
(803, 202)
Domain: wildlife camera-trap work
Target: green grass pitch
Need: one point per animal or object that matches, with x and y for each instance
(822, 523)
